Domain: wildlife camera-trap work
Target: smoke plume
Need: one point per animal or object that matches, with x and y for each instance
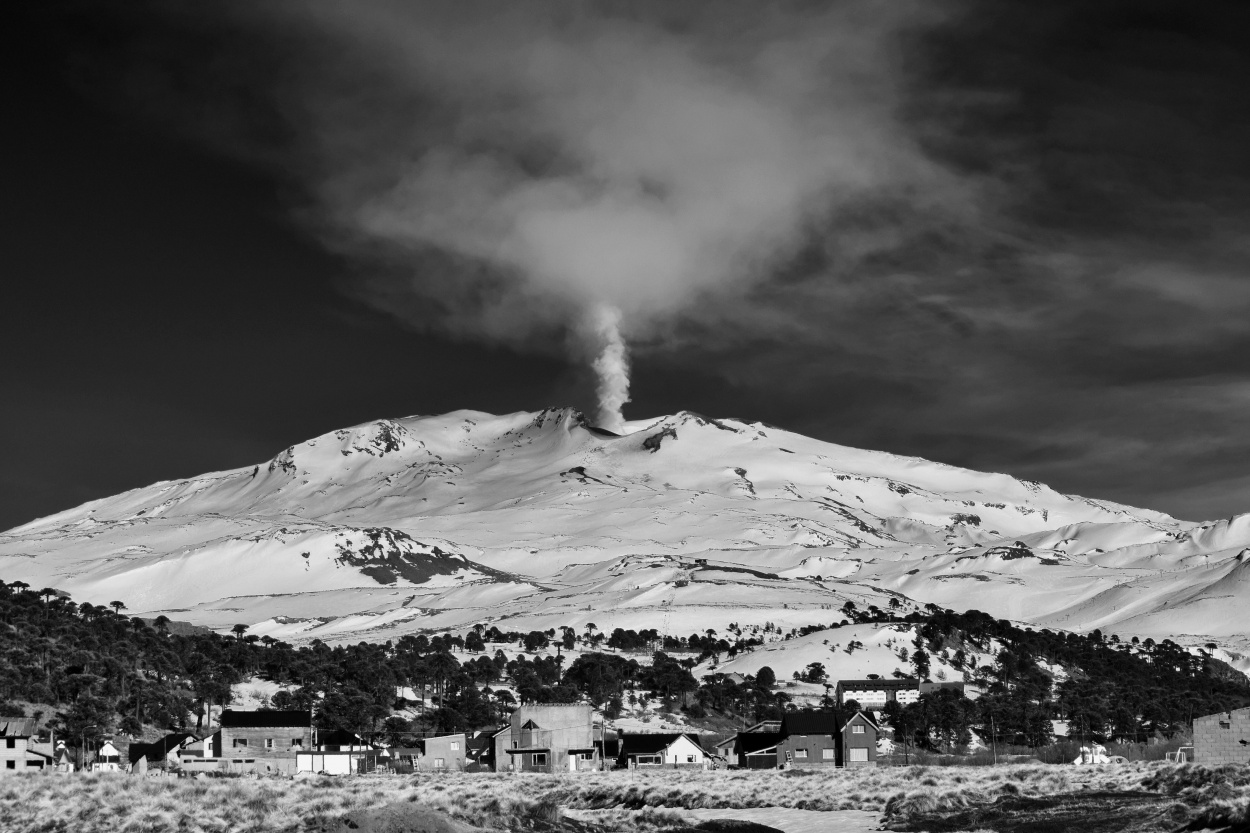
(510, 168)
(611, 367)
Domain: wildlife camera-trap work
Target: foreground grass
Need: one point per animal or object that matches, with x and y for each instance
(910, 797)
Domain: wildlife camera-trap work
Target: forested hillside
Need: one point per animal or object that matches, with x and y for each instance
(89, 670)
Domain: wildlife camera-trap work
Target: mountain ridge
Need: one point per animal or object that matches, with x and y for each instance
(432, 522)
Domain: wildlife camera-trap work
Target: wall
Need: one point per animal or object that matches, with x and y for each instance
(1214, 744)
(866, 740)
(561, 727)
(255, 737)
(450, 748)
(822, 750)
(680, 750)
(16, 759)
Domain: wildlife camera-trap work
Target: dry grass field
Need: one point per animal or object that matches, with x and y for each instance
(911, 798)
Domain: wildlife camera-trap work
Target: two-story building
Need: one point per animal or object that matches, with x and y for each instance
(550, 737)
(807, 740)
(445, 753)
(264, 740)
(16, 742)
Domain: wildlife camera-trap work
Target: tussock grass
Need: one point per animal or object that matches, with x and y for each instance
(635, 800)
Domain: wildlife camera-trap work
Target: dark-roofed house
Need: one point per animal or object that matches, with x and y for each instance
(341, 740)
(660, 749)
(264, 740)
(264, 733)
(754, 750)
(480, 752)
(164, 753)
(16, 754)
(761, 745)
(809, 739)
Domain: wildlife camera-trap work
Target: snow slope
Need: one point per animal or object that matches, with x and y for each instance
(685, 523)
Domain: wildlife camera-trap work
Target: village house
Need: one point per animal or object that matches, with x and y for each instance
(754, 747)
(550, 737)
(480, 752)
(809, 739)
(16, 742)
(340, 752)
(1222, 738)
(265, 740)
(63, 758)
(108, 758)
(661, 749)
(805, 740)
(446, 753)
(859, 741)
(162, 754)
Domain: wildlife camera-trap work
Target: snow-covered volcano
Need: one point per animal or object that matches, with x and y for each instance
(684, 523)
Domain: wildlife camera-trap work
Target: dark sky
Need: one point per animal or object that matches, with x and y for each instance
(1057, 287)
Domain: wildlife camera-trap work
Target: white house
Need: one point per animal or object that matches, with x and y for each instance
(656, 749)
(108, 759)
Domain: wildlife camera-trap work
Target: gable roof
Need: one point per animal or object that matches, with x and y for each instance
(652, 742)
(809, 723)
(866, 718)
(157, 750)
(765, 726)
(758, 741)
(20, 727)
(264, 718)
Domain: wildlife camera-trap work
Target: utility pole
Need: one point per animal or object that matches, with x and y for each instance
(993, 739)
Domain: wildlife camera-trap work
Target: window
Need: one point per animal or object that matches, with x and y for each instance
(859, 754)
(540, 759)
(454, 745)
(269, 743)
(690, 759)
(11, 743)
(297, 742)
(800, 753)
(10, 764)
(37, 764)
(857, 729)
(648, 760)
(515, 744)
(827, 754)
(439, 763)
(237, 742)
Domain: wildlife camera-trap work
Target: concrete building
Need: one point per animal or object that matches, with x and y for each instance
(874, 694)
(1222, 738)
(16, 742)
(551, 737)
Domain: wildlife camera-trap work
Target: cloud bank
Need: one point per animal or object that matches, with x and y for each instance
(519, 169)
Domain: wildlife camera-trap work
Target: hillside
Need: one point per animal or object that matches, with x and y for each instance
(683, 524)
